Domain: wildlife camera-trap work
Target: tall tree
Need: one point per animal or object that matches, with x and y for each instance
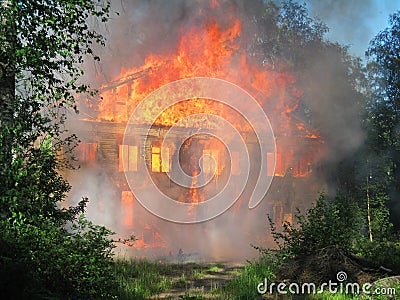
(7, 83)
(384, 112)
(45, 251)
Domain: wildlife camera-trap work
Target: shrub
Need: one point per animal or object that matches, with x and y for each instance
(381, 253)
(327, 223)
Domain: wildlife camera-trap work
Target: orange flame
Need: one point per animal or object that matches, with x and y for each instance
(209, 50)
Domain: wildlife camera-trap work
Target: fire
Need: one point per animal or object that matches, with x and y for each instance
(208, 50)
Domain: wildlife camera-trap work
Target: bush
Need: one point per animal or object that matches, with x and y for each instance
(47, 251)
(381, 253)
(327, 223)
(49, 261)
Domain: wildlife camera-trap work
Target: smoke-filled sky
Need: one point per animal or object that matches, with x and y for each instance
(353, 22)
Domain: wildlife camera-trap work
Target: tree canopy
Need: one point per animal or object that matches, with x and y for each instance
(383, 115)
(46, 250)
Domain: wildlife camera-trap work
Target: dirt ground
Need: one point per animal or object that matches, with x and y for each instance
(211, 278)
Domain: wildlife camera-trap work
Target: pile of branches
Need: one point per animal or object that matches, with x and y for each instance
(325, 264)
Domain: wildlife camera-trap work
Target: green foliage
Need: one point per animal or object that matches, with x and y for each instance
(286, 34)
(384, 112)
(327, 223)
(46, 251)
(383, 52)
(42, 46)
(47, 260)
(372, 176)
(381, 253)
(381, 227)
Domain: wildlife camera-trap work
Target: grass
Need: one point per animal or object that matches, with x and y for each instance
(142, 279)
(326, 295)
(215, 268)
(338, 296)
(244, 285)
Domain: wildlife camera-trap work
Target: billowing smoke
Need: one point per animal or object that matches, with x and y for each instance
(94, 184)
(140, 28)
(328, 103)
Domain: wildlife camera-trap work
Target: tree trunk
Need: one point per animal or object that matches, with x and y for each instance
(369, 211)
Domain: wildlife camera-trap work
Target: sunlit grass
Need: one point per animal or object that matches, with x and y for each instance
(142, 279)
(215, 268)
(244, 286)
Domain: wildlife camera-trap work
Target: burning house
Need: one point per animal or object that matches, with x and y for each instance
(208, 50)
